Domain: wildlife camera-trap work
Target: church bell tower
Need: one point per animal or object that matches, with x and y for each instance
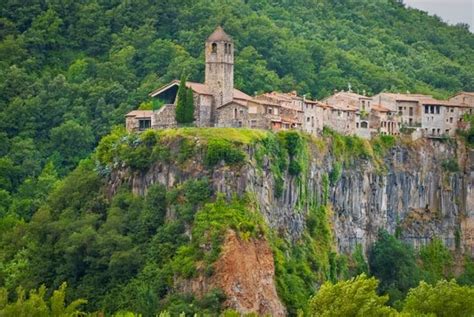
(220, 66)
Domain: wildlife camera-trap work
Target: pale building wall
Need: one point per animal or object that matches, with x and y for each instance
(232, 115)
(204, 113)
(164, 118)
(219, 74)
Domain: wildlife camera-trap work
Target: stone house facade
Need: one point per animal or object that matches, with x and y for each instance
(218, 104)
(441, 118)
(465, 99)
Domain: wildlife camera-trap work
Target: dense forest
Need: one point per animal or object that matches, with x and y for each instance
(70, 70)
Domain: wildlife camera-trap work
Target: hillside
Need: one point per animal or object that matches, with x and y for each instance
(70, 70)
(175, 219)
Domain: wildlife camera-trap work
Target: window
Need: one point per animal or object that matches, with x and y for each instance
(253, 123)
(427, 110)
(437, 109)
(400, 110)
(357, 125)
(452, 110)
(226, 50)
(364, 125)
(410, 121)
(269, 110)
(241, 112)
(239, 124)
(214, 48)
(307, 119)
(144, 124)
(411, 111)
(451, 120)
(235, 113)
(431, 109)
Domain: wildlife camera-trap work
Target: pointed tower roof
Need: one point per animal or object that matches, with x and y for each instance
(219, 35)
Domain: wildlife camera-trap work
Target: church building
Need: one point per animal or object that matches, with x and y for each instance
(217, 103)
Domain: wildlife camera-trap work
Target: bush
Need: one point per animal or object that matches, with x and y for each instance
(221, 150)
(450, 165)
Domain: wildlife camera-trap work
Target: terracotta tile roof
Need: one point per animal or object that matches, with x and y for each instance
(344, 107)
(380, 108)
(465, 93)
(198, 88)
(236, 101)
(406, 97)
(436, 102)
(140, 113)
(219, 35)
(264, 102)
(317, 103)
(241, 95)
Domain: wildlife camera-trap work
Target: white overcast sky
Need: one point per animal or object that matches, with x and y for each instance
(451, 11)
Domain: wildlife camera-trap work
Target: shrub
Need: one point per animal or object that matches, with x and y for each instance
(450, 165)
(221, 150)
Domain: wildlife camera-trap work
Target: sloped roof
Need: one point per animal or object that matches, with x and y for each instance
(264, 102)
(406, 97)
(219, 35)
(235, 101)
(140, 113)
(437, 102)
(380, 108)
(344, 107)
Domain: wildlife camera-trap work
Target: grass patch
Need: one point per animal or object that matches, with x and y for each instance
(234, 135)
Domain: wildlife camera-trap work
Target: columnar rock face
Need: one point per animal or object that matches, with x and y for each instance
(411, 194)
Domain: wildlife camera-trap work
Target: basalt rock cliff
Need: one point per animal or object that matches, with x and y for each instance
(416, 190)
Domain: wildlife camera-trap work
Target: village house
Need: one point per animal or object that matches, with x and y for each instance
(465, 99)
(383, 121)
(354, 108)
(407, 105)
(218, 104)
(441, 118)
(315, 115)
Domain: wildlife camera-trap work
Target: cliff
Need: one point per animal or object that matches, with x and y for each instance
(416, 190)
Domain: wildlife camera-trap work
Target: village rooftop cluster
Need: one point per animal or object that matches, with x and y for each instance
(218, 104)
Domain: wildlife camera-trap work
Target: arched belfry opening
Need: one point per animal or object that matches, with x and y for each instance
(214, 48)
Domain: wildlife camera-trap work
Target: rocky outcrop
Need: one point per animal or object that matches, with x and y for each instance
(411, 190)
(245, 272)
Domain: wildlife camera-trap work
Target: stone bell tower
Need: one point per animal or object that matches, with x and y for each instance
(220, 66)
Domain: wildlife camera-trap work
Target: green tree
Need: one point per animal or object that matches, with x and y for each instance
(355, 297)
(185, 103)
(445, 299)
(394, 263)
(72, 142)
(35, 304)
(436, 261)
